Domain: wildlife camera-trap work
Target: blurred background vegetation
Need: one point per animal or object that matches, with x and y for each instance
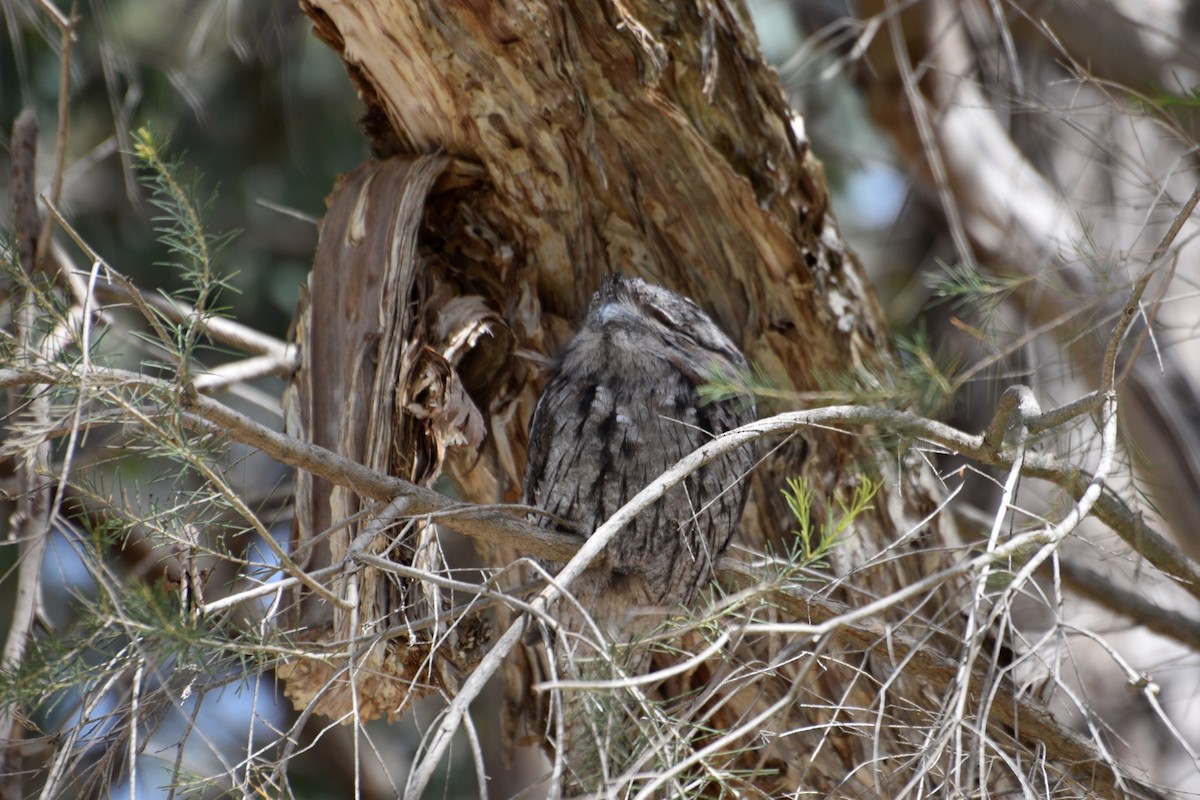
(258, 110)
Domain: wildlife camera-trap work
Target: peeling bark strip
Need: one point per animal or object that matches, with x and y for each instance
(582, 138)
(377, 384)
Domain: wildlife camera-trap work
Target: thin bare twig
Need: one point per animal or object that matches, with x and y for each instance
(66, 44)
(531, 539)
(26, 222)
(30, 522)
(505, 529)
(117, 287)
(1045, 540)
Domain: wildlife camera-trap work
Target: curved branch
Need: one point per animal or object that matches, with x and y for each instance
(851, 626)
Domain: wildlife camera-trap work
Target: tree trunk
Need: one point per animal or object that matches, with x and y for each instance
(528, 149)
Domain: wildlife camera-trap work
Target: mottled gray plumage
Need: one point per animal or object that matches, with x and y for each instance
(623, 406)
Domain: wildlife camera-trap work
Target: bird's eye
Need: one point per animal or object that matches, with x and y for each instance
(660, 315)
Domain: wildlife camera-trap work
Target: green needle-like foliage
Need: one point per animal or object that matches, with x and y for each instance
(814, 539)
(194, 250)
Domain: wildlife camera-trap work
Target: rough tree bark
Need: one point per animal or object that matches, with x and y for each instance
(526, 150)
